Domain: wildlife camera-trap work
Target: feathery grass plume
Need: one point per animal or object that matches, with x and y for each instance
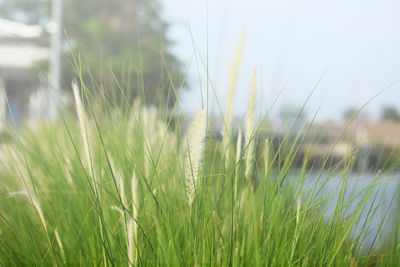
(132, 226)
(238, 147)
(35, 203)
(84, 132)
(232, 80)
(130, 223)
(58, 239)
(238, 156)
(146, 158)
(134, 191)
(195, 140)
(133, 120)
(149, 131)
(120, 180)
(12, 159)
(67, 172)
(250, 127)
(131, 240)
(118, 209)
(298, 211)
(266, 157)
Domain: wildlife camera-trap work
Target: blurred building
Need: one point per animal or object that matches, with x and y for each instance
(19, 51)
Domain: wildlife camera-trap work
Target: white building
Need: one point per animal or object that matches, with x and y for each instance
(19, 50)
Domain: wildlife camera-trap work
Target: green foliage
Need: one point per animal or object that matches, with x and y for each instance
(121, 40)
(390, 114)
(349, 113)
(281, 223)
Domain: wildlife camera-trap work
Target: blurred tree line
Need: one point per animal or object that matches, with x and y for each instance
(119, 44)
(388, 113)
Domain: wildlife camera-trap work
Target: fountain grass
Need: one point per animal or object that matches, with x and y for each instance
(119, 184)
(70, 214)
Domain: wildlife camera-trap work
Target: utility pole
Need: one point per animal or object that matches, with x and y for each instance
(55, 58)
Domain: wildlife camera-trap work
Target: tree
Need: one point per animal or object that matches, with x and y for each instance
(349, 113)
(111, 44)
(390, 113)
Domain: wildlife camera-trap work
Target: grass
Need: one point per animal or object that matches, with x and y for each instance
(122, 186)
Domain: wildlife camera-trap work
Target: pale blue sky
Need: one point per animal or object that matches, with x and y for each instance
(296, 40)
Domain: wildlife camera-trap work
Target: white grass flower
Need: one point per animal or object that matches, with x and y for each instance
(195, 140)
(149, 129)
(134, 194)
(67, 172)
(250, 127)
(120, 180)
(35, 202)
(238, 157)
(243, 199)
(84, 132)
(146, 158)
(298, 211)
(238, 147)
(133, 121)
(118, 209)
(131, 241)
(132, 225)
(58, 239)
(232, 80)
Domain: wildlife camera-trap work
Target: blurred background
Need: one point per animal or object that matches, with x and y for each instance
(295, 42)
(162, 51)
(340, 59)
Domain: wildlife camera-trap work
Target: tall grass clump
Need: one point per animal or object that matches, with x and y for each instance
(114, 183)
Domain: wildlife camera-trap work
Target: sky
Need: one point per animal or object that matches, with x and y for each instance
(349, 50)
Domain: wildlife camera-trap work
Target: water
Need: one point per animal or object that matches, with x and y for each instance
(379, 211)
